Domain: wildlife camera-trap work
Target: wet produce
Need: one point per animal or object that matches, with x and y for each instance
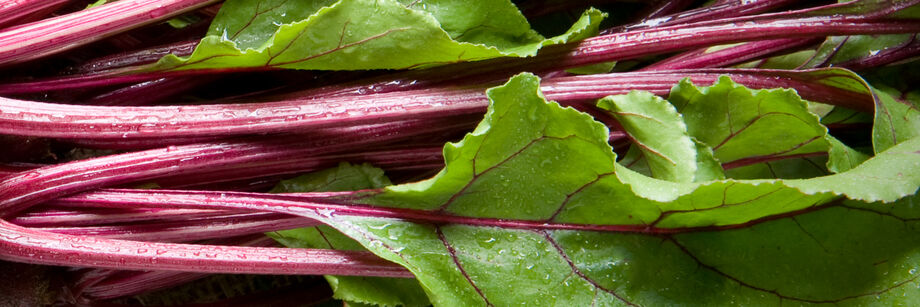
(460, 153)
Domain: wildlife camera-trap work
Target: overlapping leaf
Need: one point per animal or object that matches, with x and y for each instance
(533, 160)
(897, 119)
(366, 34)
(658, 133)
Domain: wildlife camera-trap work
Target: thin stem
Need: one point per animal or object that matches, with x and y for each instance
(138, 57)
(725, 9)
(32, 246)
(73, 217)
(31, 187)
(706, 58)
(106, 284)
(908, 50)
(190, 230)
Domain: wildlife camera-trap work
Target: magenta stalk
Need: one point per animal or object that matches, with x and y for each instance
(29, 118)
(57, 34)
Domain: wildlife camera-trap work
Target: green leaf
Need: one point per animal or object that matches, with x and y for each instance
(707, 167)
(842, 158)
(786, 61)
(788, 168)
(97, 3)
(533, 160)
(742, 124)
(839, 115)
(809, 259)
(356, 289)
(377, 291)
(599, 68)
(366, 34)
(840, 49)
(896, 119)
(659, 133)
(346, 177)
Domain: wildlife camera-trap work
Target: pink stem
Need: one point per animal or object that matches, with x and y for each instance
(73, 216)
(31, 118)
(39, 247)
(57, 34)
(191, 230)
(703, 58)
(18, 11)
(138, 57)
(97, 284)
(30, 187)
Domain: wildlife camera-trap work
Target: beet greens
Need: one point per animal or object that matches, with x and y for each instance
(754, 152)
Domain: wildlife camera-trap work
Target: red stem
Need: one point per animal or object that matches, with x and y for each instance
(13, 12)
(138, 57)
(30, 118)
(32, 246)
(725, 9)
(97, 284)
(703, 58)
(57, 34)
(191, 230)
(31, 187)
(71, 217)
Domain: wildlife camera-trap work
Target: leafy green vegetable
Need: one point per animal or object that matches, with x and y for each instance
(354, 289)
(739, 123)
(658, 132)
(365, 34)
(525, 142)
(896, 120)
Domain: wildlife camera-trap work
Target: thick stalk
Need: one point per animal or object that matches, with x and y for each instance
(30, 118)
(57, 34)
(13, 12)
